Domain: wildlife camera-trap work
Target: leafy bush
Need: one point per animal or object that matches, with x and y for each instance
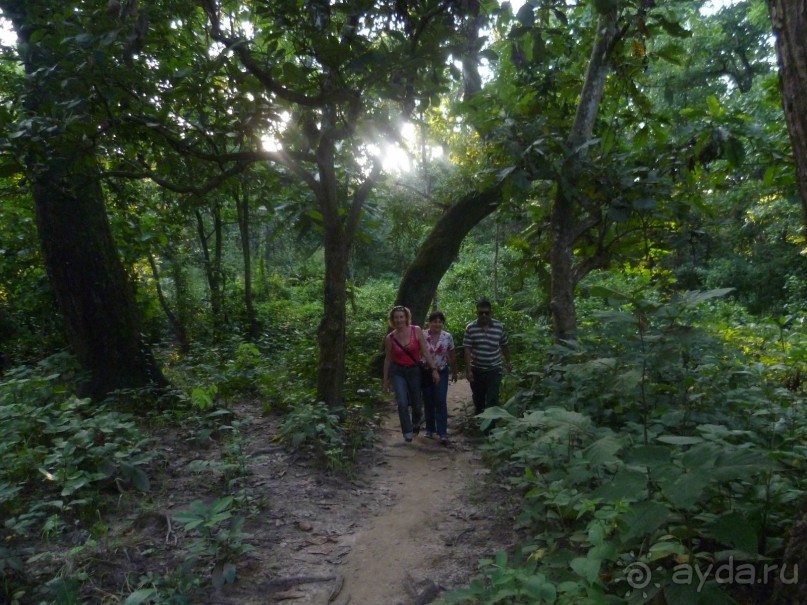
(218, 537)
(332, 439)
(59, 456)
(314, 428)
(650, 447)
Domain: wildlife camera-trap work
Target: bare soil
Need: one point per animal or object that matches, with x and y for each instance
(412, 524)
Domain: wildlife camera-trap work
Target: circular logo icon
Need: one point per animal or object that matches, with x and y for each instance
(638, 575)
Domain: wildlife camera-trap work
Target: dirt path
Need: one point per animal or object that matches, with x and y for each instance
(407, 551)
(414, 522)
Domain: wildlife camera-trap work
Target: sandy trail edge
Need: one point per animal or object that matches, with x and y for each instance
(411, 542)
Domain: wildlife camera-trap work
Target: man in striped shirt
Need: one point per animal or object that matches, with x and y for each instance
(485, 343)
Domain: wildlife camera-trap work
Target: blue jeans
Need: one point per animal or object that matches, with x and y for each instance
(406, 386)
(485, 388)
(435, 405)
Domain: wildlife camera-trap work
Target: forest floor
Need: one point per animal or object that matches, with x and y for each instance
(412, 522)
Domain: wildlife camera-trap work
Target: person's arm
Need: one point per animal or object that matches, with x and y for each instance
(387, 362)
(452, 364)
(469, 357)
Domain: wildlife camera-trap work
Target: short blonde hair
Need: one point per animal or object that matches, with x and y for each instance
(394, 310)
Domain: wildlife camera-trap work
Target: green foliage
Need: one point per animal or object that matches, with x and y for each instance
(231, 368)
(471, 274)
(610, 440)
(202, 398)
(176, 588)
(650, 444)
(278, 371)
(29, 329)
(331, 440)
(515, 582)
(395, 226)
(59, 458)
(219, 537)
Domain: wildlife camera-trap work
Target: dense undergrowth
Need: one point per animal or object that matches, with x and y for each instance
(667, 441)
(68, 465)
(660, 459)
(61, 460)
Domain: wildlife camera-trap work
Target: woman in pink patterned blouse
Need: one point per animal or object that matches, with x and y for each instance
(441, 347)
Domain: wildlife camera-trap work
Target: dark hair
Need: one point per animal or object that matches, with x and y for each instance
(437, 315)
(483, 302)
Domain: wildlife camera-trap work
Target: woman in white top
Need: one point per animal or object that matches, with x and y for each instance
(441, 348)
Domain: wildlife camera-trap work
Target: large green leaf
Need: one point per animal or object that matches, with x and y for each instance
(643, 518)
(695, 297)
(138, 478)
(673, 28)
(741, 464)
(573, 420)
(140, 596)
(496, 413)
(663, 549)
(586, 568)
(672, 53)
(734, 530)
(525, 15)
(679, 439)
(604, 450)
(627, 483)
(648, 455)
(702, 455)
(684, 490)
(538, 588)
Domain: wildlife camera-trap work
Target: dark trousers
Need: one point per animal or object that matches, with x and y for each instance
(485, 388)
(406, 386)
(435, 405)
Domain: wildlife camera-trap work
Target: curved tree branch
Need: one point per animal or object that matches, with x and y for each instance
(441, 248)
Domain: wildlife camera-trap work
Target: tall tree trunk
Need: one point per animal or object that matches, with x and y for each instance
(341, 220)
(177, 328)
(264, 255)
(473, 22)
(564, 222)
(440, 249)
(242, 208)
(561, 262)
(212, 261)
(92, 290)
(336, 240)
(331, 332)
(789, 20)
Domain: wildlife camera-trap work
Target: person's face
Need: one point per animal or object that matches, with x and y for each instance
(483, 315)
(399, 319)
(436, 324)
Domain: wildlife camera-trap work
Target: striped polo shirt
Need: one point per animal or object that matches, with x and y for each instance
(485, 345)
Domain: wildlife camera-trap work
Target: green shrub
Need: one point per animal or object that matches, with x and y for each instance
(60, 458)
(651, 445)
